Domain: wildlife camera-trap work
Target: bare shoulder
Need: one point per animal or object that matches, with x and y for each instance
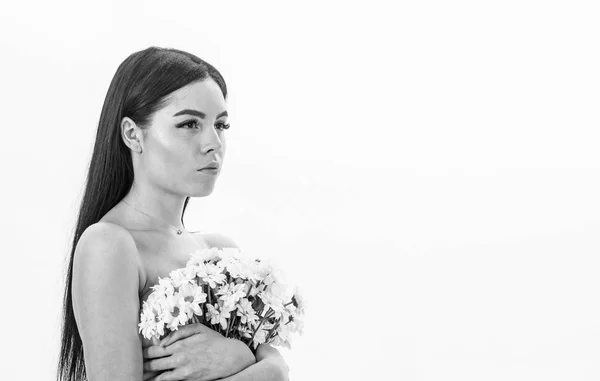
(105, 245)
(105, 294)
(105, 235)
(217, 240)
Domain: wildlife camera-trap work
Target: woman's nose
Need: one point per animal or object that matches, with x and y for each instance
(211, 141)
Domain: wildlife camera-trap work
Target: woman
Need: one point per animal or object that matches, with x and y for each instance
(160, 141)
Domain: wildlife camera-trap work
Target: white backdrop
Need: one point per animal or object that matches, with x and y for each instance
(428, 172)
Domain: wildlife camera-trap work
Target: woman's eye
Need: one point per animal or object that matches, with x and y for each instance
(189, 123)
(222, 126)
(194, 124)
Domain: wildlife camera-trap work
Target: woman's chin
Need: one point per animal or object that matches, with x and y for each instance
(201, 192)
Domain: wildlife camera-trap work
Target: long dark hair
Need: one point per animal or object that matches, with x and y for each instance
(137, 90)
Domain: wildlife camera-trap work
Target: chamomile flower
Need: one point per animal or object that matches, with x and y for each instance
(296, 325)
(299, 301)
(149, 321)
(246, 312)
(248, 269)
(194, 297)
(218, 315)
(263, 268)
(236, 269)
(181, 276)
(228, 256)
(273, 302)
(259, 337)
(174, 315)
(231, 293)
(164, 287)
(264, 308)
(200, 256)
(285, 315)
(279, 290)
(211, 274)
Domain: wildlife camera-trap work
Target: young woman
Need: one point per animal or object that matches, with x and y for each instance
(161, 139)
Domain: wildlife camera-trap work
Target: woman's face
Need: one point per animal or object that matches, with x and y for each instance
(185, 136)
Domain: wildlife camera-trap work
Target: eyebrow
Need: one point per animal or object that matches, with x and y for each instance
(197, 113)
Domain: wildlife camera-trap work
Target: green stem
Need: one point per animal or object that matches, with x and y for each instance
(256, 330)
(248, 293)
(230, 323)
(272, 330)
(235, 319)
(267, 315)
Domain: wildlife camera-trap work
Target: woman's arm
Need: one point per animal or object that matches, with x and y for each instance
(196, 352)
(263, 370)
(106, 303)
(269, 366)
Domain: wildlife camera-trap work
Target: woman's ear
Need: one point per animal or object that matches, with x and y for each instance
(132, 135)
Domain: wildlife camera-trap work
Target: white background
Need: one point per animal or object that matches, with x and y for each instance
(427, 171)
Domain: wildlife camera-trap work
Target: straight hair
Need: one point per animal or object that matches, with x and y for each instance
(138, 89)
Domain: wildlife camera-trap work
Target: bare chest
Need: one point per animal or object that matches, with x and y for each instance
(159, 257)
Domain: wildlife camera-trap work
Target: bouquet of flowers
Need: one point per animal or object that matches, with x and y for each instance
(240, 297)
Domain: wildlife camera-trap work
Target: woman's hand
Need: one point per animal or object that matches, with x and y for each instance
(269, 367)
(265, 352)
(196, 352)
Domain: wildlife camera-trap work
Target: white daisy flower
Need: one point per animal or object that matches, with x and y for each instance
(299, 301)
(217, 316)
(273, 302)
(211, 274)
(200, 256)
(279, 290)
(194, 297)
(181, 276)
(232, 293)
(246, 312)
(174, 315)
(259, 337)
(296, 325)
(164, 287)
(148, 321)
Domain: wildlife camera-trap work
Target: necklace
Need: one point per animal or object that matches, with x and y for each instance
(179, 231)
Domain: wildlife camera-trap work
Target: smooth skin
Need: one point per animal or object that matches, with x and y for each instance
(119, 258)
(267, 366)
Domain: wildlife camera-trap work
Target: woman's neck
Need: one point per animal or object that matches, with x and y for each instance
(161, 206)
